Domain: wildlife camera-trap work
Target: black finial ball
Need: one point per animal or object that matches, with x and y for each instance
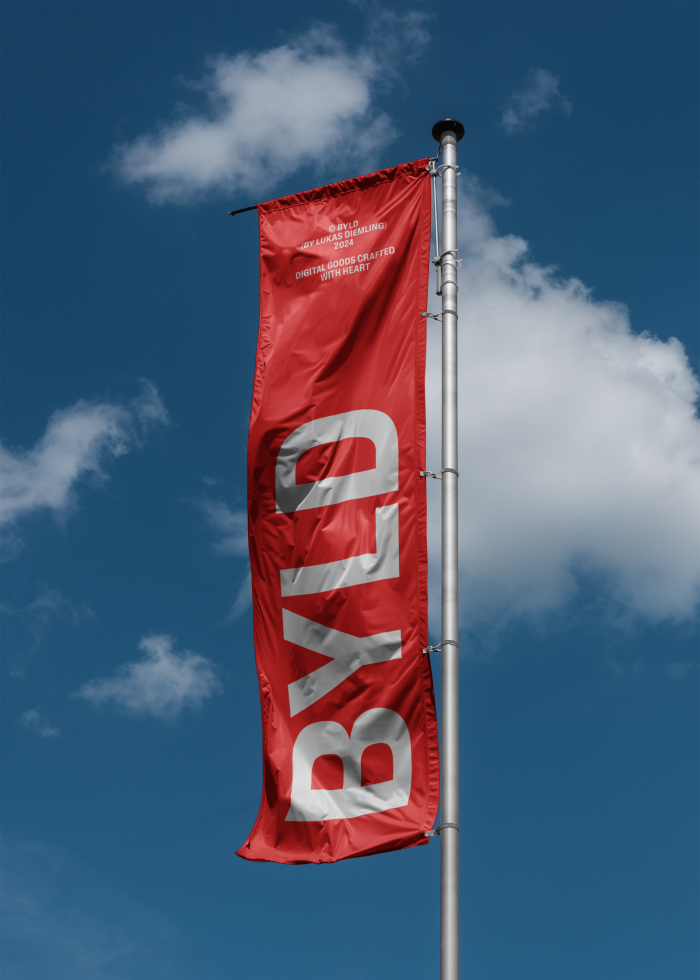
(440, 127)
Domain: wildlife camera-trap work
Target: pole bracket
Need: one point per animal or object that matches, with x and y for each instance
(443, 826)
(448, 251)
(438, 474)
(440, 645)
(438, 316)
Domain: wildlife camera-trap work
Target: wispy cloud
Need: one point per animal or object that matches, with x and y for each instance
(34, 721)
(230, 526)
(61, 921)
(77, 442)
(540, 94)
(51, 603)
(579, 442)
(306, 102)
(243, 600)
(163, 684)
(25, 626)
(678, 671)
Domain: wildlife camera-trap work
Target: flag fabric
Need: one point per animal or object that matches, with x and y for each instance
(337, 522)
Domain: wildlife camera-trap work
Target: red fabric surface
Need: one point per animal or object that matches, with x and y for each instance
(348, 344)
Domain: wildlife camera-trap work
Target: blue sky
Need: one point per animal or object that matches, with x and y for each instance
(131, 732)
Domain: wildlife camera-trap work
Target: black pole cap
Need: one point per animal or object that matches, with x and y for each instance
(440, 127)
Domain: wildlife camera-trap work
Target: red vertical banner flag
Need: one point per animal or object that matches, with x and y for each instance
(337, 522)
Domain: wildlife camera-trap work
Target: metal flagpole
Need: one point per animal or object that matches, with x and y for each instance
(448, 132)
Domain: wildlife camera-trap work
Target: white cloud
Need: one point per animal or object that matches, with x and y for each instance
(231, 527)
(76, 443)
(34, 721)
(307, 102)
(244, 598)
(579, 443)
(163, 684)
(541, 92)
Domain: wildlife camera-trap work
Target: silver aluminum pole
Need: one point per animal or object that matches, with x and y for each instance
(448, 132)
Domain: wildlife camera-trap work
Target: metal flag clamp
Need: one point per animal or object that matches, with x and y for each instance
(438, 647)
(438, 316)
(437, 475)
(443, 826)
